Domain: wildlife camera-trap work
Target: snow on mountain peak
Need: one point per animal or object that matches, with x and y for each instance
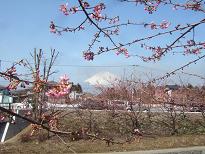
(102, 78)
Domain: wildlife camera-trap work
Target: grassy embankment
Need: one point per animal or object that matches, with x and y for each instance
(116, 125)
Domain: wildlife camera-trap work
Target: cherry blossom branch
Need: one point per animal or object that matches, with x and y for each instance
(152, 5)
(96, 36)
(195, 75)
(2, 74)
(177, 28)
(100, 29)
(157, 56)
(197, 6)
(94, 17)
(67, 29)
(34, 122)
(178, 69)
(190, 48)
(57, 132)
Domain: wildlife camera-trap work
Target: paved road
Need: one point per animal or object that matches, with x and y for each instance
(187, 150)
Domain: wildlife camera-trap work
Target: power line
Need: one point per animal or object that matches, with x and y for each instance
(71, 65)
(97, 66)
(195, 75)
(67, 65)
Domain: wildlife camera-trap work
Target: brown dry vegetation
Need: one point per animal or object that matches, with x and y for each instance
(55, 146)
(115, 124)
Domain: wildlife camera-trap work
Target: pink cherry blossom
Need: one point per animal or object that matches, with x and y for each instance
(52, 27)
(63, 8)
(61, 89)
(165, 24)
(123, 51)
(153, 25)
(88, 55)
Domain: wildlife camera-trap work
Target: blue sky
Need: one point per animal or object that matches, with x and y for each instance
(24, 25)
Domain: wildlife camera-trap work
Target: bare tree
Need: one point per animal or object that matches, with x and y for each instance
(41, 69)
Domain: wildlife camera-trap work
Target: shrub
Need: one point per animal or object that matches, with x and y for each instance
(25, 138)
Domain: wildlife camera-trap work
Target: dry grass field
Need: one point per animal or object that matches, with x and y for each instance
(156, 134)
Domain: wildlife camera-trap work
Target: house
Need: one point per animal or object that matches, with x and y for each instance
(171, 87)
(74, 95)
(5, 98)
(76, 92)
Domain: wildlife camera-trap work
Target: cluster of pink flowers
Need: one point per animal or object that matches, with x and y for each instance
(35, 128)
(114, 20)
(61, 89)
(116, 31)
(153, 25)
(94, 13)
(150, 9)
(63, 8)
(194, 51)
(193, 6)
(52, 27)
(11, 71)
(86, 4)
(53, 122)
(97, 12)
(81, 28)
(158, 51)
(123, 51)
(151, 5)
(164, 25)
(96, 9)
(13, 83)
(191, 42)
(11, 75)
(88, 55)
(74, 9)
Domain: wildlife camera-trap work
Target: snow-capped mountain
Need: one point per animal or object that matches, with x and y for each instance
(102, 78)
